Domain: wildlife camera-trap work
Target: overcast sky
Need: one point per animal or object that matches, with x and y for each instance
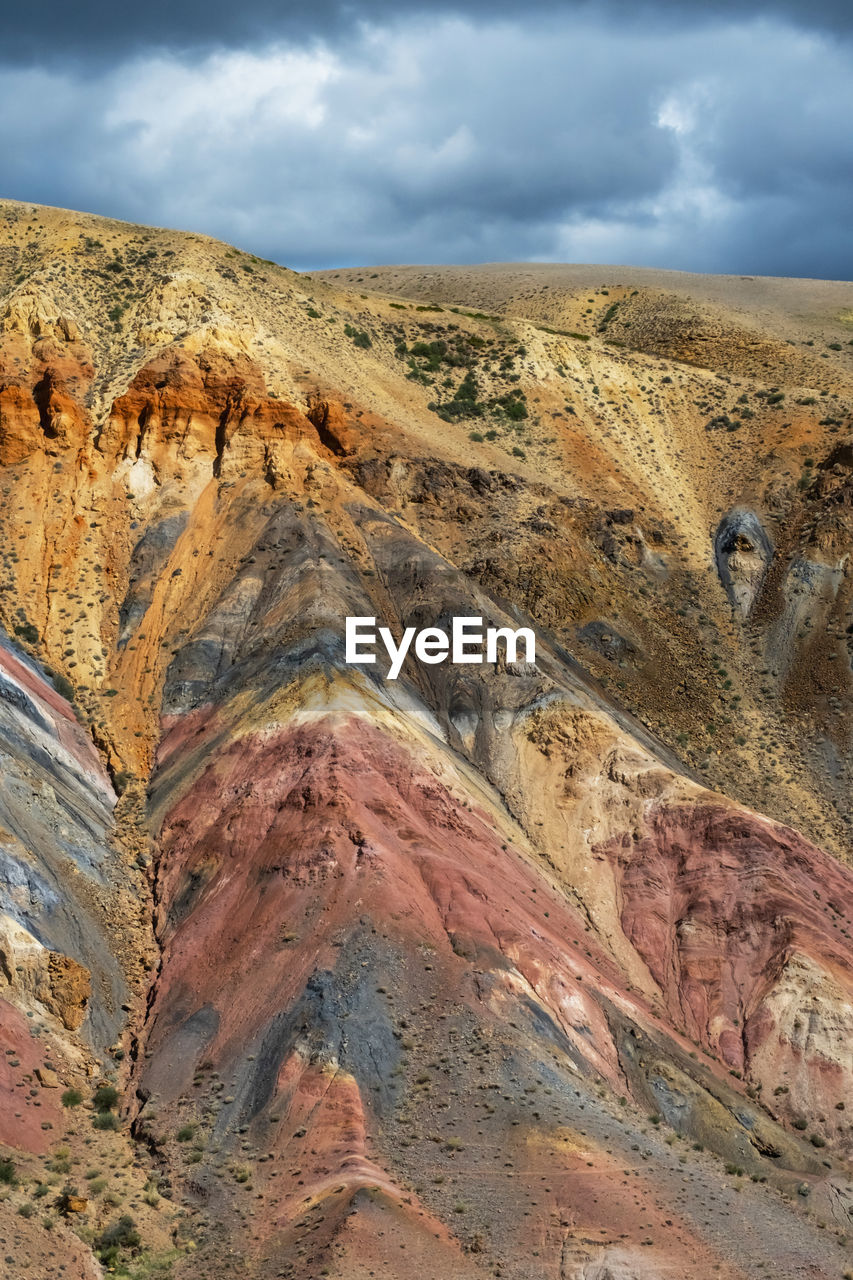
(710, 138)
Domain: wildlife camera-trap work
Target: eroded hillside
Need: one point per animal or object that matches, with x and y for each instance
(532, 971)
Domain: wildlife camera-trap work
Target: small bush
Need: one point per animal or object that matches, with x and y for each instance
(515, 410)
(63, 686)
(608, 315)
(105, 1097)
(26, 631)
(360, 337)
(120, 1235)
(8, 1176)
(72, 1098)
(106, 1120)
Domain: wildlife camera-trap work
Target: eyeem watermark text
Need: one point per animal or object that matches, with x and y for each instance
(467, 642)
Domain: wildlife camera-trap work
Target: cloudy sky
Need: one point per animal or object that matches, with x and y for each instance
(713, 137)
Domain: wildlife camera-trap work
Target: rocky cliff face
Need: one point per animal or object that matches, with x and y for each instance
(511, 969)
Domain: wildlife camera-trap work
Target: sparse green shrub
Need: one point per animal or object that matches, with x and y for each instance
(105, 1097)
(121, 1235)
(26, 631)
(431, 353)
(514, 408)
(608, 315)
(63, 686)
(106, 1120)
(360, 337)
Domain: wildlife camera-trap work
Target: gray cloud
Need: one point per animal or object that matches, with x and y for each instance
(721, 148)
(95, 29)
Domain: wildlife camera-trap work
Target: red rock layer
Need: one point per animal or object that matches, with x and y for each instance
(318, 883)
(302, 831)
(23, 1124)
(720, 903)
(185, 406)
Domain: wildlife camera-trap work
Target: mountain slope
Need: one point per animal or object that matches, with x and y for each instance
(516, 969)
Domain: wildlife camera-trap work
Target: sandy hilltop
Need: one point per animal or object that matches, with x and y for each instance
(531, 971)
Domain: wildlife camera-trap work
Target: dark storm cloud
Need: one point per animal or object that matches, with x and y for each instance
(54, 30)
(709, 140)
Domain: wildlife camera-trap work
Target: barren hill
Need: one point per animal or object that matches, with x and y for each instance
(511, 969)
